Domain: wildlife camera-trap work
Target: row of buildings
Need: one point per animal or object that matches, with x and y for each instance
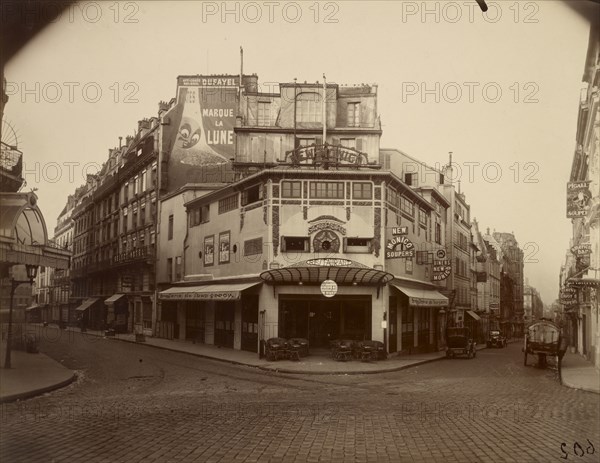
(25, 246)
(236, 215)
(580, 272)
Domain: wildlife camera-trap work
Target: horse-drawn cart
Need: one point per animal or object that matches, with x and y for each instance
(543, 339)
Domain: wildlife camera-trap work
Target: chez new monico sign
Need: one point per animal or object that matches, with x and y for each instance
(399, 246)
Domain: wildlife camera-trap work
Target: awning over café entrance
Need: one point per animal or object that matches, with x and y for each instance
(315, 271)
(421, 297)
(211, 292)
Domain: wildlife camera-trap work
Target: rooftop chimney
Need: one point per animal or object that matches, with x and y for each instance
(120, 142)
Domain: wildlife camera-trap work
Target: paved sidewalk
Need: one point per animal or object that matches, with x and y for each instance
(578, 373)
(31, 375)
(313, 364)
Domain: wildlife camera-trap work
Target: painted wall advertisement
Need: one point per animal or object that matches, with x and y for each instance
(199, 135)
(578, 199)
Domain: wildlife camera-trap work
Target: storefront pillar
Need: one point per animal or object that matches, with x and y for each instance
(209, 330)
(378, 307)
(416, 327)
(237, 326)
(181, 320)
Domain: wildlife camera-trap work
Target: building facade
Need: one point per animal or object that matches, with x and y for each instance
(311, 203)
(580, 276)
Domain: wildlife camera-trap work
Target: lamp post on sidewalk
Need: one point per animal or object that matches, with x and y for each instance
(31, 274)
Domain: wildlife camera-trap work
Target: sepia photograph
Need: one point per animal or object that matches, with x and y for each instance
(300, 231)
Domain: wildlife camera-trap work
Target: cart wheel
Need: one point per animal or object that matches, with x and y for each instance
(525, 359)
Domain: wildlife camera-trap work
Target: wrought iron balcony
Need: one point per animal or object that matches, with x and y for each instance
(134, 255)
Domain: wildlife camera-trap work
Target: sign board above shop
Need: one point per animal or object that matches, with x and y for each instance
(582, 249)
(583, 283)
(407, 248)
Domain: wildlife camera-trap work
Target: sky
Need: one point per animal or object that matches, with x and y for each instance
(500, 90)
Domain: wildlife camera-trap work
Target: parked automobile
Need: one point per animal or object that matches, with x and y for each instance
(460, 342)
(496, 339)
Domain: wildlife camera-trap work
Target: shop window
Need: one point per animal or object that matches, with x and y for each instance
(424, 257)
(327, 190)
(291, 189)
(357, 245)
(252, 195)
(362, 190)
(408, 207)
(228, 204)
(295, 243)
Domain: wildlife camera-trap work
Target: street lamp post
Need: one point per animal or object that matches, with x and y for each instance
(31, 273)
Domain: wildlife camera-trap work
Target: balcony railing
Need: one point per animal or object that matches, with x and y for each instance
(134, 255)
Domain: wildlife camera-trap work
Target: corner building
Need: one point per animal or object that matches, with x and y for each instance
(310, 204)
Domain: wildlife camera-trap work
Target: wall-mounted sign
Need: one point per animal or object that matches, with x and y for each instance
(326, 226)
(326, 155)
(582, 249)
(329, 262)
(583, 283)
(440, 254)
(578, 199)
(329, 288)
(441, 269)
(201, 296)
(407, 248)
(224, 253)
(399, 231)
(209, 250)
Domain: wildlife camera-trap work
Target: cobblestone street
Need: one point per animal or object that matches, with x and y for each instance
(134, 403)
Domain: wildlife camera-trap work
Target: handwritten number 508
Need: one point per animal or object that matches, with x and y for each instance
(578, 449)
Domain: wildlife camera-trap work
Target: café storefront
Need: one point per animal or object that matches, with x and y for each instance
(220, 312)
(325, 299)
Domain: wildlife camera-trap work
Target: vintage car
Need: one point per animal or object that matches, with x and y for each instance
(495, 339)
(460, 342)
